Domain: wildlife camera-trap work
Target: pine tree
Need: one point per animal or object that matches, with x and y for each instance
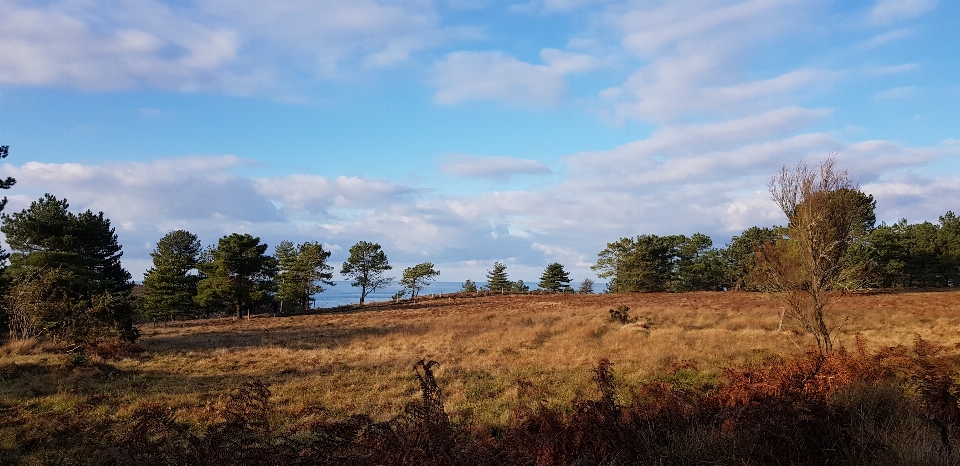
(366, 266)
(554, 278)
(497, 278)
(586, 286)
(417, 277)
(237, 273)
(169, 285)
(303, 271)
(66, 278)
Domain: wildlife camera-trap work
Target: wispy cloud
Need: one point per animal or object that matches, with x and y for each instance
(467, 76)
(667, 183)
(498, 167)
(237, 46)
(891, 11)
(692, 62)
(896, 93)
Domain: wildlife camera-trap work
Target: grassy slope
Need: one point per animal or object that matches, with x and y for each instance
(360, 362)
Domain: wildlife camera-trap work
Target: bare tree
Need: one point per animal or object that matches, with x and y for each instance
(827, 215)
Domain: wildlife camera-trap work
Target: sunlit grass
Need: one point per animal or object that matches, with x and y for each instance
(360, 362)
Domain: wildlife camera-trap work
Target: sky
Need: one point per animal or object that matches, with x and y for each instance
(464, 132)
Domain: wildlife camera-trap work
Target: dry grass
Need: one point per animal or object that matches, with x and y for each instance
(360, 362)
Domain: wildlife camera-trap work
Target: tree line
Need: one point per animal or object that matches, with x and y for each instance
(830, 244)
(65, 280)
(888, 256)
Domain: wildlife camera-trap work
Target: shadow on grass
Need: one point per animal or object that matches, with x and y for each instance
(292, 337)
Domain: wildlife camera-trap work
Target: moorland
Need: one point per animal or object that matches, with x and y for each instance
(505, 363)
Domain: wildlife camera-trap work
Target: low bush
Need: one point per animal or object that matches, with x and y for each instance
(622, 315)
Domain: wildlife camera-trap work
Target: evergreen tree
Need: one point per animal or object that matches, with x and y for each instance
(66, 278)
(697, 265)
(237, 273)
(468, 287)
(169, 285)
(642, 264)
(554, 278)
(5, 184)
(497, 278)
(366, 265)
(739, 258)
(519, 287)
(303, 271)
(586, 286)
(417, 277)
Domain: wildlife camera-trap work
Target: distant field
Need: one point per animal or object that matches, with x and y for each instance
(360, 361)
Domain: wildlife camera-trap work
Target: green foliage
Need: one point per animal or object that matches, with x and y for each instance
(303, 271)
(519, 287)
(237, 273)
(497, 278)
(9, 182)
(661, 263)
(417, 277)
(554, 278)
(65, 273)
(4, 184)
(469, 287)
(916, 255)
(697, 265)
(169, 285)
(366, 266)
(739, 256)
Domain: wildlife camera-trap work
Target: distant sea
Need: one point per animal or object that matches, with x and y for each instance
(343, 293)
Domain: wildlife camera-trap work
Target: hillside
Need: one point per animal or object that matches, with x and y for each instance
(361, 361)
(327, 367)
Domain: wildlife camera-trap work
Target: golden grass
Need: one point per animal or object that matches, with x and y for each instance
(360, 362)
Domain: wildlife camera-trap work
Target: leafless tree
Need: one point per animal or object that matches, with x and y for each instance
(827, 215)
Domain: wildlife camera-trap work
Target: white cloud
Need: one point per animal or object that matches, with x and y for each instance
(886, 38)
(466, 76)
(693, 58)
(682, 179)
(318, 193)
(330, 34)
(675, 153)
(896, 93)
(891, 11)
(183, 189)
(501, 168)
(892, 69)
(913, 197)
(63, 43)
(237, 46)
(651, 31)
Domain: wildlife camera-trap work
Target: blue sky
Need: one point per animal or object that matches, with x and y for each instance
(472, 131)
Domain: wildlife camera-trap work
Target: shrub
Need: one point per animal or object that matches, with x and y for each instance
(622, 314)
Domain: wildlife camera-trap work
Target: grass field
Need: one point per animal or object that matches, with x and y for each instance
(361, 361)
